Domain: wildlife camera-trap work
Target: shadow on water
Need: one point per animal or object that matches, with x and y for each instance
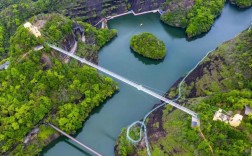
(51, 145)
(78, 148)
(177, 32)
(174, 32)
(236, 8)
(109, 136)
(96, 110)
(64, 139)
(144, 60)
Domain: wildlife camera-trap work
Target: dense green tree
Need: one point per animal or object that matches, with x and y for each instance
(148, 45)
(196, 19)
(242, 3)
(60, 94)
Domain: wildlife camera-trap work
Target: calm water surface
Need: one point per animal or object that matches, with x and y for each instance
(100, 131)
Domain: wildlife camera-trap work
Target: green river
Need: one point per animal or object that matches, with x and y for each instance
(100, 131)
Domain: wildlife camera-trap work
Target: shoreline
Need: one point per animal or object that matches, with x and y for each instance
(106, 19)
(156, 111)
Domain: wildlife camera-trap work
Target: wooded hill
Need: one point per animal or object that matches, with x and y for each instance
(223, 80)
(38, 88)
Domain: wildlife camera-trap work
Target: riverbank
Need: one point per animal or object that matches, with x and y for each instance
(116, 56)
(53, 90)
(174, 135)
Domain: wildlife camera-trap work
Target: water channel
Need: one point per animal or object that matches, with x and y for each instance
(100, 131)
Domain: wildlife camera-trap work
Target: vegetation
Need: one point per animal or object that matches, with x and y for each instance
(223, 80)
(176, 12)
(123, 146)
(197, 18)
(242, 3)
(98, 37)
(95, 39)
(148, 45)
(56, 29)
(38, 88)
(14, 12)
(202, 16)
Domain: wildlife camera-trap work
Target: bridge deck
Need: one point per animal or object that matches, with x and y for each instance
(137, 86)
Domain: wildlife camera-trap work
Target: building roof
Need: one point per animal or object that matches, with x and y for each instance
(32, 29)
(220, 116)
(27, 25)
(5, 65)
(248, 110)
(38, 47)
(236, 120)
(195, 122)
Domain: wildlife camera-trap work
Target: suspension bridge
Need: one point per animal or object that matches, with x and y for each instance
(139, 87)
(123, 79)
(76, 141)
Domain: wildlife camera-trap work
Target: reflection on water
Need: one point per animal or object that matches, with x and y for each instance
(146, 61)
(102, 128)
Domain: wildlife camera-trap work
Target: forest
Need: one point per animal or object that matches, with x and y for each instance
(198, 16)
(223, 80)
(196, 19)
(38, 88)
(242, 3)
(148, 45)
(13, 13)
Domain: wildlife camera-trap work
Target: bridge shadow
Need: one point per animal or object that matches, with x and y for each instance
(109, 136)
(96, 110)
(77, 147)
(66, 140)
(144, 60)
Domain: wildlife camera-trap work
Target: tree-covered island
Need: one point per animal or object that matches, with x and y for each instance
(148, 45)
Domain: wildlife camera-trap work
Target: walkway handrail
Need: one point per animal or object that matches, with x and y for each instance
(137, 86)
(70, 137)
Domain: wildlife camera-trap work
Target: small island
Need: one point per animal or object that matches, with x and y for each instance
(148, 45)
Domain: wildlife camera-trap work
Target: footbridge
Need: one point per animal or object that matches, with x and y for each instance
(133, 84)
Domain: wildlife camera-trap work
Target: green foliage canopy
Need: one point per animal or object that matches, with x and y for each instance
(148, 45)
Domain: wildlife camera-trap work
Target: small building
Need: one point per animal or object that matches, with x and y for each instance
(5, 65)
(195, 122)
(236, 120)
(34, 30)
(38, 47)
(248, 110)
(220, 116)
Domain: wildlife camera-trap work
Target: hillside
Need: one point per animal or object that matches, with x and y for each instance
(195, 16)
(222, 80)
(148, 45)
(40, 86)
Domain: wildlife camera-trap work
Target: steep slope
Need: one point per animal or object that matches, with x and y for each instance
(38, 87)
(223, 80)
